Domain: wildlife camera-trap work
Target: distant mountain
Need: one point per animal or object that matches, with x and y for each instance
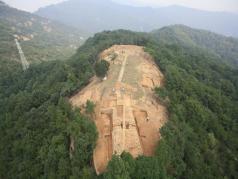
(96, 16)
(225, 48)
(41, 39)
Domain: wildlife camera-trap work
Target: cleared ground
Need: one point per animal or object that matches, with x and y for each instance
(25, 64)
(128, 117)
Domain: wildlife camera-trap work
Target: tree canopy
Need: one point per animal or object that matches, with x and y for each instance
(101, 68)
(43, 137)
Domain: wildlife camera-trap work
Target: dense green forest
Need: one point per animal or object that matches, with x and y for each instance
(37, 124)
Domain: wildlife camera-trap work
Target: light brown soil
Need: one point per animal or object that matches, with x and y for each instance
(128, 117)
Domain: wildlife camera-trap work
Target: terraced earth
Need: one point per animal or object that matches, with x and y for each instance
(127, 114)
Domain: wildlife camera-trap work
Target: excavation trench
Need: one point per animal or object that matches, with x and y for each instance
(128, 118)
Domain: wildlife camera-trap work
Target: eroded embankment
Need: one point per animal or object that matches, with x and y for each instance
(127, 115)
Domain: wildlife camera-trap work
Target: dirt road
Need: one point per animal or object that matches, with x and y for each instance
(122, 69)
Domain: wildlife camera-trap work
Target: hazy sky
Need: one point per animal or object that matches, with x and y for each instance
(212, 5)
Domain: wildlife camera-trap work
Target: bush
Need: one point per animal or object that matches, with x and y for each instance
(90, 106)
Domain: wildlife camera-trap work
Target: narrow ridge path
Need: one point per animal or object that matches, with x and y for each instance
(120, 77)
(122, 69)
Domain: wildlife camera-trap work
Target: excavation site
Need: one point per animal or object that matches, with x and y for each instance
(128, 116)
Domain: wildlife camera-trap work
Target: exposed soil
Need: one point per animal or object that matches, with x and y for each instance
(127, 116)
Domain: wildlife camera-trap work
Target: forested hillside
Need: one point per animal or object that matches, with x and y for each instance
(225, 48)
(40, 38)
(8, 49)
(37, 124)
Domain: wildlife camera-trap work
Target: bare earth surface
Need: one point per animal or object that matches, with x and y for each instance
(128, 117)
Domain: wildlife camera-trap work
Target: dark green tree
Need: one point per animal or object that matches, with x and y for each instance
(101, 68)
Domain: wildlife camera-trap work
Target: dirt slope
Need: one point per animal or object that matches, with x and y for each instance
(127, 115)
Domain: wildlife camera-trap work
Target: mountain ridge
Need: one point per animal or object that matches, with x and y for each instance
(44, 137)
(118, 16)
(225, 47)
